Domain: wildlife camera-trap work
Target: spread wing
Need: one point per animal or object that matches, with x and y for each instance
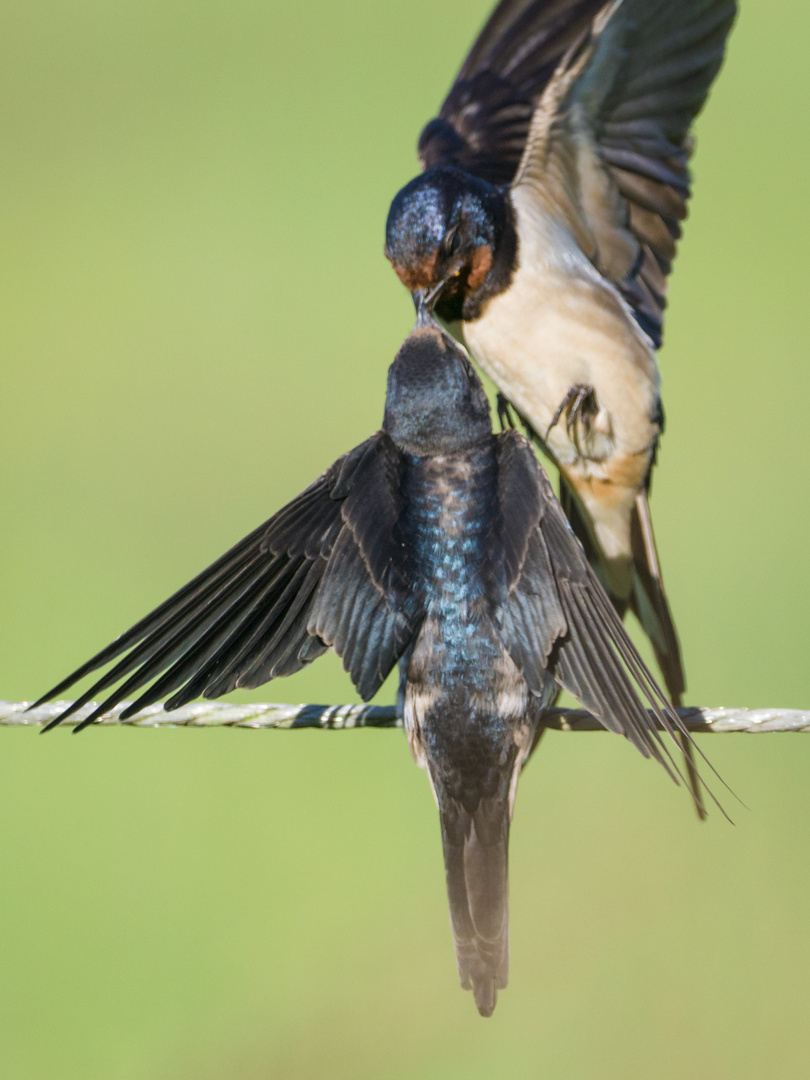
(557, 617)
(609, 143)
(484, 122)
(322, 572)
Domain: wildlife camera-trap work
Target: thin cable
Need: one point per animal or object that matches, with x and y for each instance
(342, 717)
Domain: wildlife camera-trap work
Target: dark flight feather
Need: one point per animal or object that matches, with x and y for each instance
(638, 84)
(648, 602)
(558, 610)
(321, 572)
(484, 121)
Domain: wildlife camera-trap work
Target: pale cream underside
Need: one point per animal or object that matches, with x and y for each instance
(559, 324)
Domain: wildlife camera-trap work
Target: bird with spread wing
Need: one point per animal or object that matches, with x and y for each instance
(439, 546)
(544, 224)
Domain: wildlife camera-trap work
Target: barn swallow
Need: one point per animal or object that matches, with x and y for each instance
(545, 220)
(440, 546)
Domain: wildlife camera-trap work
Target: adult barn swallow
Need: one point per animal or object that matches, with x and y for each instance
(441, 546)
(545, 221)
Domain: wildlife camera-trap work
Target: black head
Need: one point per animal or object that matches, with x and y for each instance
(435, 402)
(447, 234)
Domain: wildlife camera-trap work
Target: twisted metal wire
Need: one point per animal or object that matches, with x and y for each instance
(342, 717)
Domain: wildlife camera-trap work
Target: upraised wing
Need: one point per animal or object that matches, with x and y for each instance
(484, 122)
(322, 572)
(609, 143)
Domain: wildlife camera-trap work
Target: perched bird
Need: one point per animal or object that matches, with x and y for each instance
(441, 546)
(545, 221)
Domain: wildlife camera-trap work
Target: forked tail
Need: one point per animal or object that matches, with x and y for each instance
(648, 602)
(476, 864)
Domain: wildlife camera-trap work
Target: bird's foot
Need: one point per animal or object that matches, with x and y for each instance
(505, 417)
(579, 407)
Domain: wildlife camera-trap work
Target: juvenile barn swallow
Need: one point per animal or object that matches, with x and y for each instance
(438, 545)
(545, 221)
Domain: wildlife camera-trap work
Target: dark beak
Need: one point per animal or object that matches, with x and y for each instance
(426, 299)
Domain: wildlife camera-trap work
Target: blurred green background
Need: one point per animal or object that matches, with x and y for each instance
(196, 319)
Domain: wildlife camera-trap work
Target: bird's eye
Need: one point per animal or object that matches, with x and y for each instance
(453, 242)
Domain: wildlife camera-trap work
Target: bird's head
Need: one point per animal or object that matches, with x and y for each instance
(435, 402)
(442, 238)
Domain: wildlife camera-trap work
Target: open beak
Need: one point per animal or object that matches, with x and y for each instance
(426, 299)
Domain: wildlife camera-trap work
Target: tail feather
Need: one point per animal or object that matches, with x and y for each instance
(648, 600)
(649, 604)
(476, 865)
